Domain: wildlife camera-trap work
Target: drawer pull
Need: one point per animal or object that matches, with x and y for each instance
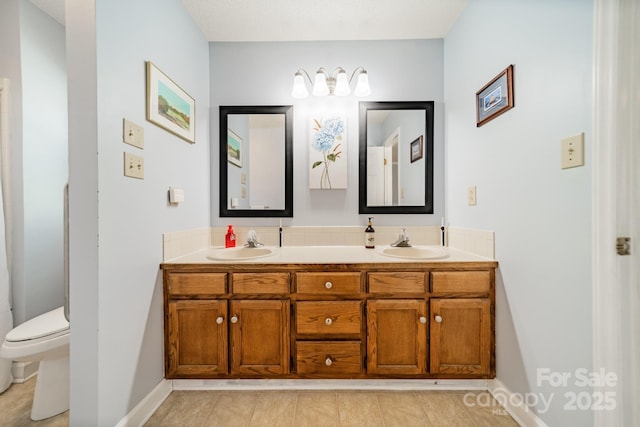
(328, 321)
(328, 285)
(328, 361)
(423, 319)
(438, 319)
(234, 319)
(219, 320)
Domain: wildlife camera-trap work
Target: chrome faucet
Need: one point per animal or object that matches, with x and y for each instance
(403, 240)
(252, 240)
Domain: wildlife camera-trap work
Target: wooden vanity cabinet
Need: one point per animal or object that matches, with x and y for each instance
(378, 320)
(329, 325)
(212, 333)
(461, 328)
(397, 325)
(196, 334)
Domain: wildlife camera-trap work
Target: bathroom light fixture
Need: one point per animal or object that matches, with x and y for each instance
(335, 83)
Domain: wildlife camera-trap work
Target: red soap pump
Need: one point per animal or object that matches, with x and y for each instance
(230, 238)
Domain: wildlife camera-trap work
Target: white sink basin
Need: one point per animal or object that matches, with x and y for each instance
(415, 252)
(241, 253)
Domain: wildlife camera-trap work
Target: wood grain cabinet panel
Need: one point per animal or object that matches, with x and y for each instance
(259, 337)
(196, 341)
(329, 358)
(396, 336)
(329, 318)
(460, 336)
(328, 283)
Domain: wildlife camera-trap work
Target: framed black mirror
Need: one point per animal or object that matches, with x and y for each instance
(396, 157)
(256, 161)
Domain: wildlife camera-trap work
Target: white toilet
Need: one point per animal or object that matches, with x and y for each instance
(43, 339)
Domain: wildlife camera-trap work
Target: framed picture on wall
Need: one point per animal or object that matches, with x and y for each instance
(234, 148)
(416, 149)
(495, 98)
(168, 106)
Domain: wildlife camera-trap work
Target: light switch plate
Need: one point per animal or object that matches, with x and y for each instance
(471, 195)
(572, 154)
(133, 166)
(132, 134)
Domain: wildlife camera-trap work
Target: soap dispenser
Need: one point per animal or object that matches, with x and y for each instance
(369, 236)
(230, 238)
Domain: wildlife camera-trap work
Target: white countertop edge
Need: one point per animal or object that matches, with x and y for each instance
(323, 255)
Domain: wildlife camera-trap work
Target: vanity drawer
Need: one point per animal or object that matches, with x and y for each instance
(328, 357)
(329, 318)
(196, 284)
(402, 282)
(460, 281)
(260, 283)
(328, 283)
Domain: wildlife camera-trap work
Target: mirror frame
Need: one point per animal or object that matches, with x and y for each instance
(427, 208)
(287, 212)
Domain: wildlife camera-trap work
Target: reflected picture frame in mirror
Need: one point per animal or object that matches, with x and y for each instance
(236, 175)
(388, 193)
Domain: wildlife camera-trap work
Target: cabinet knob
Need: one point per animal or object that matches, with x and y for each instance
(328, 321)
(219, 320)
(438, 319)
(234, 319)
(328, 361)
(423, 319)
(328, 285)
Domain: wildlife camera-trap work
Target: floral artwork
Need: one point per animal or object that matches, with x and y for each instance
(328, 152)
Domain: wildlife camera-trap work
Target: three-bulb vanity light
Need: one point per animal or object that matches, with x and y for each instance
(335, 83)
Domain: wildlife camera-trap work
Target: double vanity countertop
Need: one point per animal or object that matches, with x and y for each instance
(328, 255)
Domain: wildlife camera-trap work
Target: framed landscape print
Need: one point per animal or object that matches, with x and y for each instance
(168, 106)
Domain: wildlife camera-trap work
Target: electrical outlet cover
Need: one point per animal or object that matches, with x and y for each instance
(572, 154)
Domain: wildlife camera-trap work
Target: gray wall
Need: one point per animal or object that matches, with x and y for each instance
(33, 59)
(262, 74)
(541, 214)
(118, 222)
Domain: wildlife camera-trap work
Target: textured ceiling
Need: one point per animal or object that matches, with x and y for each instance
(291, 20)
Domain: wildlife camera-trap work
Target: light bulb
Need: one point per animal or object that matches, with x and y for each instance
(299, 88)
(342, 85)
(362, 88)
(320, 87)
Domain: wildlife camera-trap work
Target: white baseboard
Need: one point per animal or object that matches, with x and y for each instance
(22, 371)
(147, 406)
(523, 415)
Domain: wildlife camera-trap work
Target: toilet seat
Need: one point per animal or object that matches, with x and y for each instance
(46, 326)
(46, 335)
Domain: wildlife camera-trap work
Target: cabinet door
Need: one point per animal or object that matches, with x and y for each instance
(197, 339)
(260, 337)
(460, 336)
(397, 336)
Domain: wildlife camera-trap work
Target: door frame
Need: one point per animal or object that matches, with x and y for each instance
(615, 202)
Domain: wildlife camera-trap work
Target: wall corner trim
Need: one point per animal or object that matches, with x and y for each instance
(141, 413)
(514, 405)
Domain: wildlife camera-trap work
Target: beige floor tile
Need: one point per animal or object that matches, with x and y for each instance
(15, 408)
(233, 409)
(274, 408)
(401, 409)
(315, 409)
(444, 409)
(358, 409)
(188, 408)
(485, 410)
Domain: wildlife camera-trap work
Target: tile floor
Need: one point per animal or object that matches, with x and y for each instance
(330, 408)
(294, 408)
(15, 408)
